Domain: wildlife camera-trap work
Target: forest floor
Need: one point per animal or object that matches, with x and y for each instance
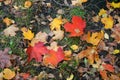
(59, 40)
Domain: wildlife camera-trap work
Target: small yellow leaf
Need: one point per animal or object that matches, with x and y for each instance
(71, 77)
(108, 22)
(102, 12)
(116, 51)
(68, 54)
(56, 24)
(27, 4)
(115, 5)
(8, 74)
(27, 33)
(8, 21)
(74, 47)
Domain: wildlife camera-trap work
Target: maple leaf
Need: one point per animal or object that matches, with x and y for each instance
(59, 34)
(8, 74)
(56, 24)
(94, 37)
(4, 58)
(53, 57)
(11, 30)
(76, 28)
(27, 33)
(108, 22)
(102, 12)
(36, 51)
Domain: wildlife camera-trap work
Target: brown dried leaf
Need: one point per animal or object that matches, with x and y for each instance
(11, 30)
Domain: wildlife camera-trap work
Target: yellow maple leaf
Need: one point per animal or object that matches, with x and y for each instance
(27, 4)
(108, 22)
(56, 24)
(8, 74)
(115, 5)
(8, 21)
(102, 12)
(94, 38)
(27, 33)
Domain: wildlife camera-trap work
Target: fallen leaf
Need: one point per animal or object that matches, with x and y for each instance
(36, 52)
(53, 46)
(108, 67)
(90, 53)
(102, 12)
(115, 5)
(25, 75)
(56, 24)
(74, 47)
(78, 2)
(103, 73)
(108, 22)
(8, 74)
(11, 30)
(71, 77)
(53, 58)
(76, 28)
(115, 34)
(40, 36)
(8, 21)
(116, 51)
(94, 37)
(59, 34)
(4, 58)
(27, 33)
(27, 4)
(1, 75)
(68, 54)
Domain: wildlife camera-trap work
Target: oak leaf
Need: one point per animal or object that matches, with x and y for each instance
(76, 28)
(27, 33)
(53, 58)
(37, 51)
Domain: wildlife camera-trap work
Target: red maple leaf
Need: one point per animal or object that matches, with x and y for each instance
(53, 57)
(76, 28)
(36, 51)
